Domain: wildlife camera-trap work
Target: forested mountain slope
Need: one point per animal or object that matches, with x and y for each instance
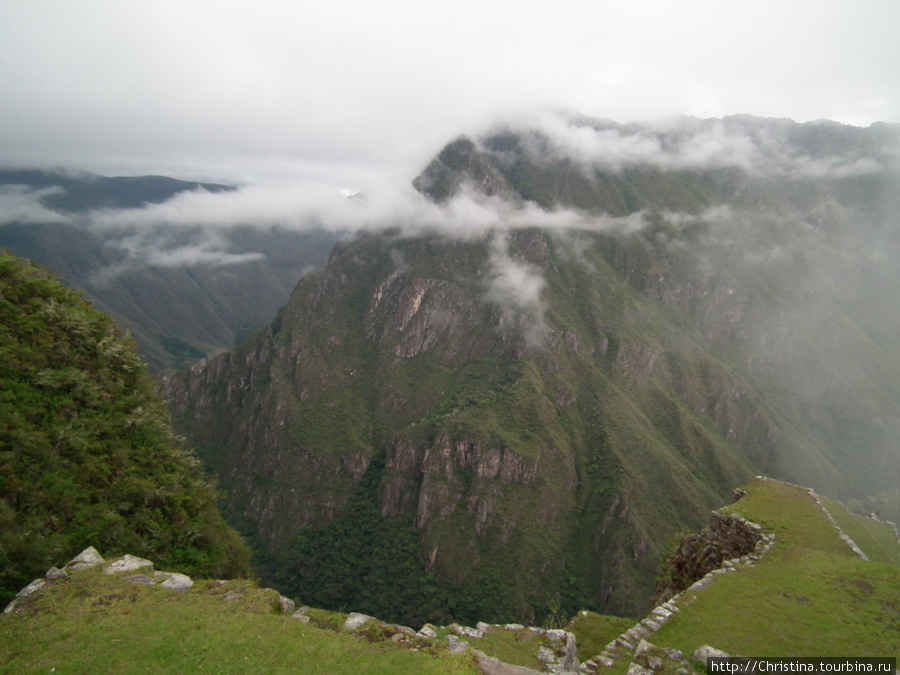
(527, 407)
(87, 455)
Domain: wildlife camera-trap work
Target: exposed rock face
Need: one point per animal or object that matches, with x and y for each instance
(698, 554)
(545, 408)
(428, 478)
(497, 427)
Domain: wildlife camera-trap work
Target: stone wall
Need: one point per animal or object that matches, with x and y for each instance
(727, 537)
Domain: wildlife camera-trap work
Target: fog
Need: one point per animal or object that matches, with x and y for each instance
(193, 227)
(223, 92)
(794, 275)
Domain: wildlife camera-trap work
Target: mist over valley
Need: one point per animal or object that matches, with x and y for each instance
(522, 371)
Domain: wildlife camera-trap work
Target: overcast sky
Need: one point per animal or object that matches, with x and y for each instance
(340, 91)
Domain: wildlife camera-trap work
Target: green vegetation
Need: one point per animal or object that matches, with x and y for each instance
(205, 306)
(94, 623)
(181, 351)
(538, 458)
(808, 596)
(517, 647)
(364, 563)
(594, 631)
(87, 456)
(877, 539)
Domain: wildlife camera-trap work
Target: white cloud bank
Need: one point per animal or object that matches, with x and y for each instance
(308, 207)
(229, 92)
(22, 204)
(692, 144)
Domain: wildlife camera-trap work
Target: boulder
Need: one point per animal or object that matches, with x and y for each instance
(286, 604)
(89, 557)
(546, 655)
(127, 563)
(456, 645)
(54, 574)
(177, 582)
(489, 665)
(427, 632)
(302, 614)
(466, 631)
(356, 620)
(31, 588)
(704, 652)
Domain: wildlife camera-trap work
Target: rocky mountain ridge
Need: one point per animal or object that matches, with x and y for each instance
(540, 405)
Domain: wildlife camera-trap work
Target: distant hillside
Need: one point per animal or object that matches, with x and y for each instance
(531, 408)
(86, 451)
(178, 310)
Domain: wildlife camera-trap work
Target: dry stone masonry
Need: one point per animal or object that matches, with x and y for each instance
(844, 537)
(728, 545)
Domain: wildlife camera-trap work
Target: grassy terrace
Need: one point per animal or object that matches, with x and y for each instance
(878, 540)
(94, 623)
(810, 596)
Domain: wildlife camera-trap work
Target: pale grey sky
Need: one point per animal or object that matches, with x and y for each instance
(337, 92)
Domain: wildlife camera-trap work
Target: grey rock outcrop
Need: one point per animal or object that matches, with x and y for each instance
(89, 557)
(30, 589)
(287, 605)
(176, 582)
(489, 665)
(302, 614)
(456, 645)
(704, 652)
(55, 574)
(649, 659)
(127, 563)
(356, 621)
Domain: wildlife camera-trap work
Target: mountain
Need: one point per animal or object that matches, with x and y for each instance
(183, 291)
(509, 414)
(87, 455)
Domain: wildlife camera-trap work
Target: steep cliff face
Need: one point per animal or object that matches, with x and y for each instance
(542, 408)
(533, 444)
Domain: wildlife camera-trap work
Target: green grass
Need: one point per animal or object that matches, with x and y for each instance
(876, 539)
(792, 515)
(96, 623)
(810, 596)
(799, 603)
(518, 647)
(594, 631)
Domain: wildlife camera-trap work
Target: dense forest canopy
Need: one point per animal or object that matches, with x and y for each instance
(87, 456)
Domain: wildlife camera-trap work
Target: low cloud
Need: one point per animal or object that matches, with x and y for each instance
(374, 207)
(191, 228)
(693, 144)
(208, 248)
(22, 204)
(515, 287)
